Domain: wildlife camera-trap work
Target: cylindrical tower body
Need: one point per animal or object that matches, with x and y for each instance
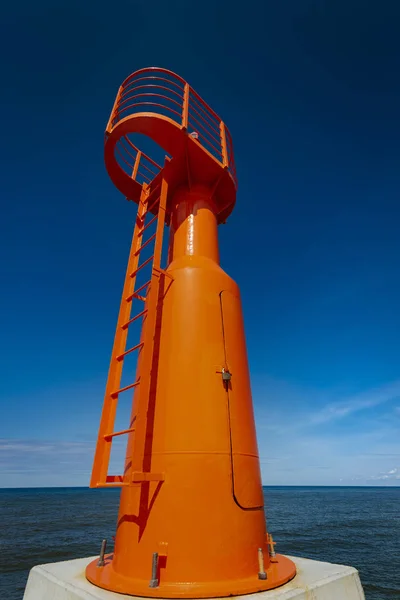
(200, 526)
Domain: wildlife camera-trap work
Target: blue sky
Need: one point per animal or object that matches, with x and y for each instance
(311, 94)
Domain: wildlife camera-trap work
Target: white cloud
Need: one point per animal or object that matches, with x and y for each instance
(329, 444)
(392, 474)
(363, 401)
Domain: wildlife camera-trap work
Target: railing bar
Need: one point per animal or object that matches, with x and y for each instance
(133, 81)
(145, 177)
(153, 163)
(216, 139)
(229, 144)
(144, 156)
(122, 156)
(202, 115)
(200, 100)
(126, 149)
(202, 106)
(155, 70)
(152, 104)
(219, 152)
(228, 135)
(132, 145)
(149, 170)
(191, 107)
(231, 160)
(146, 96)
(154, 85)
(210, 128)
(206, 116)
(204, 129)
(146, 77)
(134, 158)
(140, 162)
(209, 146)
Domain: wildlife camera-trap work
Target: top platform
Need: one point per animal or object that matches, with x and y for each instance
(162, 106)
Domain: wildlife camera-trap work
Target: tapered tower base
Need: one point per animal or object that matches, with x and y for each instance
(319, 580)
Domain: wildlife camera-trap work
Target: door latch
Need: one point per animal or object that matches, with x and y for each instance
(226, 375)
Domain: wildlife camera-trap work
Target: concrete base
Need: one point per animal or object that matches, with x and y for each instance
(314, 581)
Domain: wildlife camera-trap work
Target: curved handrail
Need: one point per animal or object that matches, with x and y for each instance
(164, 93)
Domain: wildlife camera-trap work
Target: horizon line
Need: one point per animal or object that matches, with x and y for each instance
(83, 487)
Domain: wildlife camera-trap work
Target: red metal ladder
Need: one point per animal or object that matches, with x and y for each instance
(151, 201)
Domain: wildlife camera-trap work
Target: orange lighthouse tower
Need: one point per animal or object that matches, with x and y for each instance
(191, 520)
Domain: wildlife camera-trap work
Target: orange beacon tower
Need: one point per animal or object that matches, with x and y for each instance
(191, 520)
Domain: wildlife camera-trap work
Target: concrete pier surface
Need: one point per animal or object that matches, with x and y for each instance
(315, 580)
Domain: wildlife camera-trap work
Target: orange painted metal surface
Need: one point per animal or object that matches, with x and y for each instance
(191, 521)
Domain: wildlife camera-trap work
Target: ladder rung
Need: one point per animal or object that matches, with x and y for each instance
(152, 205)
(109, 485)
(135, 294)
(145, 244)
(125, 325)
(113, 481)
(148, 225)
(142, 287)
(128, 387)
(146, 262)
(121, 356)
(109, 436)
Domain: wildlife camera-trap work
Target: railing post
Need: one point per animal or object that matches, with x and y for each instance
(110, 120)
(225, 161)
(136, 165)
(185, 108)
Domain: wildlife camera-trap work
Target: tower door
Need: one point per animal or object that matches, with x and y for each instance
(246, 476)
